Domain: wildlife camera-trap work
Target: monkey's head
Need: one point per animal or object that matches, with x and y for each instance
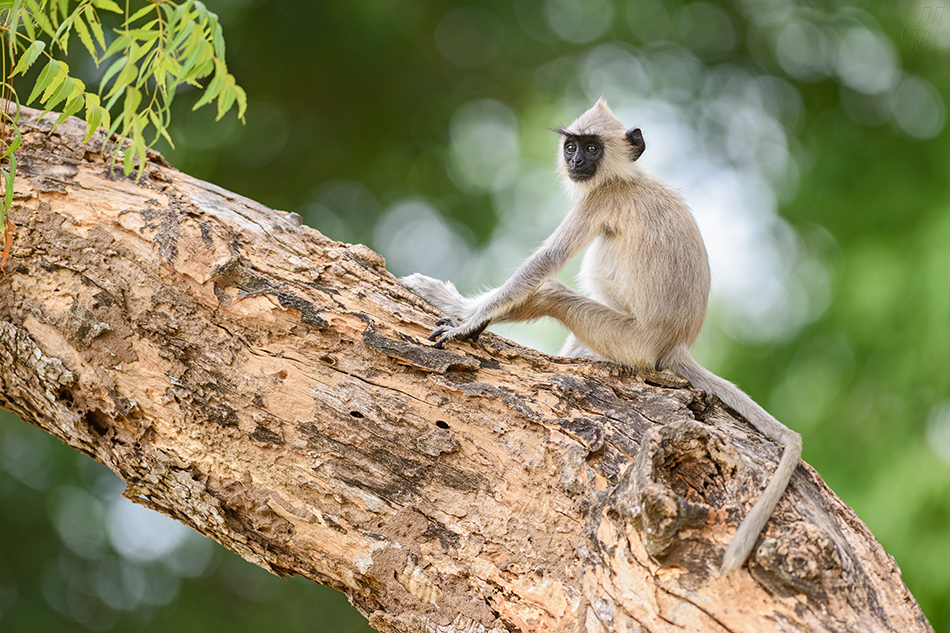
(597, 147)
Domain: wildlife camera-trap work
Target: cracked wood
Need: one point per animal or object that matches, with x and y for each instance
(274, 390)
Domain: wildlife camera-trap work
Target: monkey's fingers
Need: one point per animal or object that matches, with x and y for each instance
(439, 334)
(450, 330)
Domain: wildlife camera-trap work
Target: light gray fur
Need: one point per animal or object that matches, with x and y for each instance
(646, 279)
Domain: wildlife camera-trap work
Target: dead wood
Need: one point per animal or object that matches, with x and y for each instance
(273, 389)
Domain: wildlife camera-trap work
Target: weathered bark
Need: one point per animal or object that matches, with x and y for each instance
(273, 389)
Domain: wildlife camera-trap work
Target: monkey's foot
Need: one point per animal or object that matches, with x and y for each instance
(449, 329)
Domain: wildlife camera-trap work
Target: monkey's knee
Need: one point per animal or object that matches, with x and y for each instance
(575, 349)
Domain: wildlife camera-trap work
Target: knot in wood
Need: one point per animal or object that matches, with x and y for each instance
(677, 480)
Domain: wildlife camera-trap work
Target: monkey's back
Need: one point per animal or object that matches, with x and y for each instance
(650, 261)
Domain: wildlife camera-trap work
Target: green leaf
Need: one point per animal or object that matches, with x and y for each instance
(3, 214)
(133, 99)
(28, 27)
(138, 52)
(62, 91)
(145, 33)
(217, 37)
(172, 17)
(127, 74)
(181, 37)
(14, 25)
(161, 128)
(193, 57)
(225, 101)
(62, 38)
(112, 70)
(46, 77)
(14, 144)
(206, 67)
(28, 57)
(158, 74)
(119, 121)
(8, 177)
(73, 105)
(128, 161)
(172, 70)
(214, 88)
(147, 68)
(118, 44)
(56, 84)
(171, 65)
(107, 5)
(241, 98)
(138, 14)
(85, 37)
(136, 151)
(92, 18)
(39, 14)
(94, 114)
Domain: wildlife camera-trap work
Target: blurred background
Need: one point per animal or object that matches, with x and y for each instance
(810, 140)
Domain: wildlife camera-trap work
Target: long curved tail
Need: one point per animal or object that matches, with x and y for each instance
(750, 528)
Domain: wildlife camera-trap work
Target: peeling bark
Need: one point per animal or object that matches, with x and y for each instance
(273, 389)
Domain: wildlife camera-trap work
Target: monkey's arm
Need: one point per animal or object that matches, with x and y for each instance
(575, 232)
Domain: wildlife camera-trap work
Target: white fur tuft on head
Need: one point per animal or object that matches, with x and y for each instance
(601, 122)
(598, 120)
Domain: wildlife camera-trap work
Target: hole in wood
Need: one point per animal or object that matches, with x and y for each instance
(356, 414)
(441, 424)
(97, 421)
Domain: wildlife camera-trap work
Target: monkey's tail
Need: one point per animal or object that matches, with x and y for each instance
(744, 540)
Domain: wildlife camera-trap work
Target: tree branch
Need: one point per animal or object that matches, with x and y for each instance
(273, 389)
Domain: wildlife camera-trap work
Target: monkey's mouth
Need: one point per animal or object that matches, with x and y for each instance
(579, 176)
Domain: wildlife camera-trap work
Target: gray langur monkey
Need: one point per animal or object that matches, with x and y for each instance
(646, 275)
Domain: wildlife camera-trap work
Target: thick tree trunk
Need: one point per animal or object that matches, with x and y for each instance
(274, 390)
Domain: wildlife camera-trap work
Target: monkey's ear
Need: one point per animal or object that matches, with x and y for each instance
(635, 138)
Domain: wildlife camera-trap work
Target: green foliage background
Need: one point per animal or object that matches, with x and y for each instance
(421, 129)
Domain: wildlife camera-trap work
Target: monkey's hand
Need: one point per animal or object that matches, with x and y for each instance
(443, 295)
(449, 329)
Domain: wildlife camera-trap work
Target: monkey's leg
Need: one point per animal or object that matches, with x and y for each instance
(597, 330)
(573, 348)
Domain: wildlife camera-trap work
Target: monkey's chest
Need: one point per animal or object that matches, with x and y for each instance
(641, 274)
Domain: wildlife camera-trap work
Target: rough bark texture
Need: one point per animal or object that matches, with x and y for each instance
(274, 390)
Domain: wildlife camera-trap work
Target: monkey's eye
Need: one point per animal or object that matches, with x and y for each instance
(570, 147)
(591, 149)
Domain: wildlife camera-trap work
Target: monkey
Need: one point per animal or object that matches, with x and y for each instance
(645, 276)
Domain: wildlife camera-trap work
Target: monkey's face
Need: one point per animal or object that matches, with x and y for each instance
(582, 154)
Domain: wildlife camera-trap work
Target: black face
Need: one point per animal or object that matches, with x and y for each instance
(582, 155)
